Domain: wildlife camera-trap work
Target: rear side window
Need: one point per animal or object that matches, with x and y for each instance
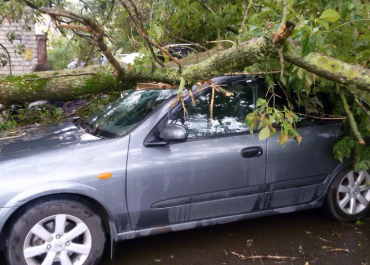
(305, 106)
(228, 112)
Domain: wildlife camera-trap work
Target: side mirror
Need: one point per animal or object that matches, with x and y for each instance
(173, 133)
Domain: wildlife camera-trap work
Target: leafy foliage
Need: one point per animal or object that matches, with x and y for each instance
(268, 118)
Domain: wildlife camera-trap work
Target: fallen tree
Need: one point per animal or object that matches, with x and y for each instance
(74, 83)
(349, 80)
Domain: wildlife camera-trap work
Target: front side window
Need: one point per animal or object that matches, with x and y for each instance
(228, 112)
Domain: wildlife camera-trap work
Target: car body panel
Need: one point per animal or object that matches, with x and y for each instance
(172, 185)
(63, 162)
(302, 167)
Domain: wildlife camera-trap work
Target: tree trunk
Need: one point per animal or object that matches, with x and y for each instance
(71, 84)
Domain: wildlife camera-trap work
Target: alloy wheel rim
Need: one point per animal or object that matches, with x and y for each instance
(353, 193)
(58, 239)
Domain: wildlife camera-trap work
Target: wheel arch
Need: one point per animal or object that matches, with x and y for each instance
(108, 224)
(331, 177)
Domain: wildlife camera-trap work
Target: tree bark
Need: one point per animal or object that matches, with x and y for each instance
(327, 67)
(58, 85)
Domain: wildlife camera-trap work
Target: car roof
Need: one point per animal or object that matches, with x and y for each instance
(229, 79)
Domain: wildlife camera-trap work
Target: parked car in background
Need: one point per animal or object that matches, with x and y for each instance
(140, 167)
(77, 63)
(128, 58)
(179, 51)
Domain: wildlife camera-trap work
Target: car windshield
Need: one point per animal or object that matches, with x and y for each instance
(120, 116)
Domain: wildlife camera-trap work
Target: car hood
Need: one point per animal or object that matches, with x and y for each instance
(44, 137)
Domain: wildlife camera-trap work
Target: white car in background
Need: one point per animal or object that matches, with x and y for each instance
(128, 58)
(77, 63)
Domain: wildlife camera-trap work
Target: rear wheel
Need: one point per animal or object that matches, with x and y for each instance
(55, 232)
(349, 196)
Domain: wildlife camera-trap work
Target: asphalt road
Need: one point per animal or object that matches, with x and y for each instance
(307, 236)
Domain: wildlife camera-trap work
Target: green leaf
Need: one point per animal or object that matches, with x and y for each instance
(249, 119)
(272, 131)
(260, 102)
(283, 138)
(300, 73)
(264, 133)
(308, 45)
(330, 15)
(323, 23)
(289, 117)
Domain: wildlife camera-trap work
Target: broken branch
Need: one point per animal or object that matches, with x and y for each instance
(351, 119)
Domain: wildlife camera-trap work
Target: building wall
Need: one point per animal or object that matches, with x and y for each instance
(24, 63)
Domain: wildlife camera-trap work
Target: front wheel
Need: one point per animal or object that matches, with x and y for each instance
(349, 196)
(54, 232)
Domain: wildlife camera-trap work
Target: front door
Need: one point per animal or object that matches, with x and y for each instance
(219, 171)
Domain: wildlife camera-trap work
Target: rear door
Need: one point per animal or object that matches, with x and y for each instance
(218, 171)
(298, 174)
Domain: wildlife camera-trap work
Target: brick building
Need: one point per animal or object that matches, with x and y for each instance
(34, 48)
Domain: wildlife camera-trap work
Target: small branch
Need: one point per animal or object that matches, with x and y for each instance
(148, 86)
(57, 76)
(351, 119)
(206, 7)
(80, 109)
(223, 91)
(338, 250)
(192, 96)
(253, 73)
(179, 91)
(211, 106)
(142, 32)
(74, 27)
(284, 31)
(367, 112)
(12, 137)
(281, 57)
(246, 15)
(10, 59)
(284, 11)
(263, 257)
(286, 96)
(217, 41)
(322, 118)
(365, 19)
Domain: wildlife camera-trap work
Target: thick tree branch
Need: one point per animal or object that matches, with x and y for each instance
(327, 67)
(235, 59)
(97, 33)
(351, 119)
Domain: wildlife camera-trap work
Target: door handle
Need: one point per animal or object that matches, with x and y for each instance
(249, 152)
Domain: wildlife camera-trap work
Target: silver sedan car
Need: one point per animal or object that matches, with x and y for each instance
(141, 167)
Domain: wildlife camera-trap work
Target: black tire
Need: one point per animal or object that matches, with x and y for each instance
(34, 213)
(331, 206)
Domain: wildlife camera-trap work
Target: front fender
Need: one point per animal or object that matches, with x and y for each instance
(51, 189)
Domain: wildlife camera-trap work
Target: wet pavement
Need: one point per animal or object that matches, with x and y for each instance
(306, 236)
